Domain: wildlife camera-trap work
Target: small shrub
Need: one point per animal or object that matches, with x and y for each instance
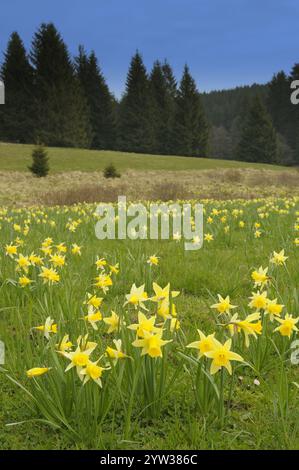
(111, 172)
(40, 165)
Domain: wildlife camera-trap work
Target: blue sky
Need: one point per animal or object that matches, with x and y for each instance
(225, 42)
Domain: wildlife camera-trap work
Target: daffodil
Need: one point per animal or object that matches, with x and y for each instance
(258, 300)
(153, 260)
(208, 237)
(47, 242)
(93, 372)
(204, 345)
(65, 344)
(76, 249)
(221, 356)
(287, 325)
(93, 300)
(78, 358)
(23, 263)
(246, 326)
(151, 344)
(113, 322)
(224, 305)
(278, 258)
(93, 318)
(24, 281)
(114, 269)
(37, 371)
(61, 248)
(101, 263)
(144, 324)
(103, 281)
(175, 324)
(49, 275)
(35, 260)
(116, 353)
(260, 277)
(137, 297)
(163, 293)
(47, 328)
(11, 250)
(57, 260)
(273, 308)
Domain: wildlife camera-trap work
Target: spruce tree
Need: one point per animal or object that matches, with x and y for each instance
(99, 99)
(61, 109)
(258, 141)
(16, 116)
(191, 128)
(136, 113)
(279, 105)
(40, 165)
(164, 106)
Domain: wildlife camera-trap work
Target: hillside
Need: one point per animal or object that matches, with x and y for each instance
(16, 157)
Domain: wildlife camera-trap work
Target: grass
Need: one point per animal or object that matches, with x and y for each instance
(17, 157)
(223, 266)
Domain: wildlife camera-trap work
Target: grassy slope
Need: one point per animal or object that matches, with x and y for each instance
(16, 157)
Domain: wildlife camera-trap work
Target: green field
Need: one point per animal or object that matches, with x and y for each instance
(15, 157)
(55, 411)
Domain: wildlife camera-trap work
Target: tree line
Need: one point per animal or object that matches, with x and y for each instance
(58, 100)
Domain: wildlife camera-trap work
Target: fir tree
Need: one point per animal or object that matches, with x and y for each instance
(278, 104)
(99, 99)
(258, 141)
(61, 110)
(191, 128)
(16, 117)
(136, 117)
(164, 106)
(40, 165)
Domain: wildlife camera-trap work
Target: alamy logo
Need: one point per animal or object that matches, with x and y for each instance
(153, 221)
(295, 94)
(2, 93)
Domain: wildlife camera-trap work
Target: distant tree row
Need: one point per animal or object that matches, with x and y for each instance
(230, 111)
(60, 101)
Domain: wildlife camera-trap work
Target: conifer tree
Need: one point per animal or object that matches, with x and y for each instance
(279, 105)
(40, 165)
(191, 128)
(163, 95)
(136, 113)
(16, 117)
(258, 141)
(99, 99)
(61, 110)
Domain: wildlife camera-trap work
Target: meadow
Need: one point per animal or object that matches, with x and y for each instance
(133, 382)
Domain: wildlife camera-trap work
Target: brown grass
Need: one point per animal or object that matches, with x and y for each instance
(67, 188)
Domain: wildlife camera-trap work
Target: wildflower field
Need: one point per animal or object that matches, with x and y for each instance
(140, 344)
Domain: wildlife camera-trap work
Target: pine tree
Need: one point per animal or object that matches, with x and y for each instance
(163, 95)
(191, 128)
(99, 99)
(279, 105)
(16, 117)
(136, 113)
(258, 141)
(61, 110)
(40, 165)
